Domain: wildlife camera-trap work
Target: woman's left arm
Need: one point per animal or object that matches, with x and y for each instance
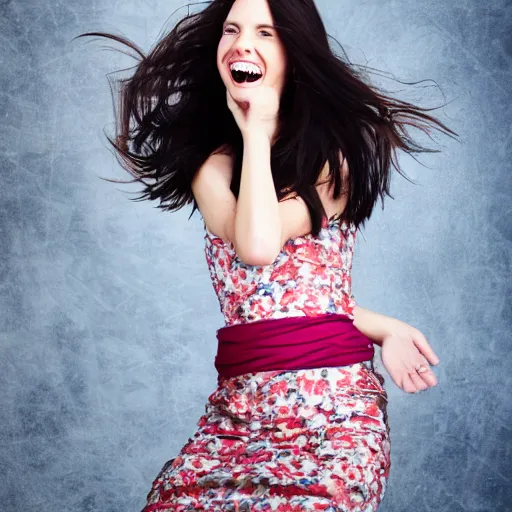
(374, 325)
(405, 351)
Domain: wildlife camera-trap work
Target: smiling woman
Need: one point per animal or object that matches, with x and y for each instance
(251, 43)
(245, 111)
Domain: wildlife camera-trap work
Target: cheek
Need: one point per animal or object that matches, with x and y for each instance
(221, 62)
(278, 71)
(284, 63)
(221, 53)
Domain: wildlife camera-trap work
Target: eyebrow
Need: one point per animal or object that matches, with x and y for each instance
(261, 25)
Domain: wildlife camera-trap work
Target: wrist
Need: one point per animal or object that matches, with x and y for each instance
(256, 148)
(374, 325)
(256, 134)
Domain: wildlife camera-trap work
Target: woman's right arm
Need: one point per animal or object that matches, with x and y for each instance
(218, 207)
(257, 220)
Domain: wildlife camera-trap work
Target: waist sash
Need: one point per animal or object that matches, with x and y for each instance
(290, 343)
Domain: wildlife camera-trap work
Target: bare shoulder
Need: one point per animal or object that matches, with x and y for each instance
(219, 163)
(211, 190)
(217, 204)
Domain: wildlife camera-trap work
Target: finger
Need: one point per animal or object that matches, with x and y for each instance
(419, 383)
(403, 381)
(424, 347)
(407, 384)
(429, 377)
(425, 377)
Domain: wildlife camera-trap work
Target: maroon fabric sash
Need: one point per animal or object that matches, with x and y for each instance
(290, 343)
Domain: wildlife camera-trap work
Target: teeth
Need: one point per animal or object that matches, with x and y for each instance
(246, 67)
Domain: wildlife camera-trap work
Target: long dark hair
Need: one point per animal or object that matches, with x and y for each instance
(173, 115)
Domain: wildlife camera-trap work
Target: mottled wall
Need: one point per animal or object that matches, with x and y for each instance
(107, 314)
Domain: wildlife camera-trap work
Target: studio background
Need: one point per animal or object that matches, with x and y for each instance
(107, 312)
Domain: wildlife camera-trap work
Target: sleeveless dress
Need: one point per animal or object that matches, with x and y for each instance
(285, 441)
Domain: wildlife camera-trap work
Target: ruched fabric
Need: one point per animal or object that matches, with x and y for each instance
(300, 440)
(292, 343)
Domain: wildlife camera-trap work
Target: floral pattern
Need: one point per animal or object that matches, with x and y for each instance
(310, 276)
(286, 441)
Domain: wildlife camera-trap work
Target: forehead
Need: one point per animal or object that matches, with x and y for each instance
(250, 11)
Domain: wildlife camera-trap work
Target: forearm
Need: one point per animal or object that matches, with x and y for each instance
(374, 325)
(257, 225)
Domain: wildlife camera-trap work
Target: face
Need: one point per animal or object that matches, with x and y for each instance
(249, 40)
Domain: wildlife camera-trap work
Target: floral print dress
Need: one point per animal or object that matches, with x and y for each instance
(286, 441)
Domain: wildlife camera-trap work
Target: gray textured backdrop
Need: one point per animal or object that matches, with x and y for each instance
(107, 313)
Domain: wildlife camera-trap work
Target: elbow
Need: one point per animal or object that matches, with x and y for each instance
(257, 249)
(256, 254)
(257, 260)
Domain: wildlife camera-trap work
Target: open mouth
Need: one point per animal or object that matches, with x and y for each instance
(242, 72)
(245, 76)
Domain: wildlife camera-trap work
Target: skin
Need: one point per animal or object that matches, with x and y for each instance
(255, 107)
(248, 34)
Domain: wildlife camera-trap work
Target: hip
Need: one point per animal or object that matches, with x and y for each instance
(311, 438)
(286, 403)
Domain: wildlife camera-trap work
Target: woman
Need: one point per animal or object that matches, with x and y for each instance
(244, 110)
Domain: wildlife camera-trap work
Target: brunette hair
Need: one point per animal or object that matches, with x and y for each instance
(173, 115)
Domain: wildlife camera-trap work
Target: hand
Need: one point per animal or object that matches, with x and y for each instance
(401, 351)
(255, 109)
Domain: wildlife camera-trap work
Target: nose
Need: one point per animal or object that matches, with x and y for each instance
(244, 44)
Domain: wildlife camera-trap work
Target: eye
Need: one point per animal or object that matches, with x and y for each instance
(265, 32)
(229, 30)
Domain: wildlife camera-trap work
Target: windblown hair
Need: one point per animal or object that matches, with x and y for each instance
(173, 115)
